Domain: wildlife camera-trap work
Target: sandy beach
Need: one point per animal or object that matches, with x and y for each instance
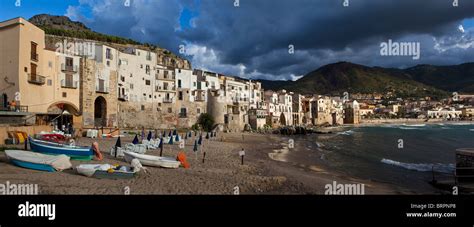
(265, 171)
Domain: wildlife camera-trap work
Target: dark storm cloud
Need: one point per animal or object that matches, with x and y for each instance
(258, 32)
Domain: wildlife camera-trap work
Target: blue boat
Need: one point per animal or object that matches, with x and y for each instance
(75, 152)
(37, 161)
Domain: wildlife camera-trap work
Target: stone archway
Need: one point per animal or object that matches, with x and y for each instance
(100, 112)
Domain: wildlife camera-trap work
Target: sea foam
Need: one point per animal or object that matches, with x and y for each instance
(422, 167)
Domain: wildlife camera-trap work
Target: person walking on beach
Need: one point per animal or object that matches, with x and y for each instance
(242, 154)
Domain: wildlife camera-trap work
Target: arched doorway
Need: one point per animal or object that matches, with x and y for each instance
(282, 119)
(100, 112)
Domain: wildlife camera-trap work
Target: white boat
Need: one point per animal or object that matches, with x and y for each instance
(38, 161)
(150, 160)
(106, 171)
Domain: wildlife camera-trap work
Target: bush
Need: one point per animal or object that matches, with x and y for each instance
(206, 121)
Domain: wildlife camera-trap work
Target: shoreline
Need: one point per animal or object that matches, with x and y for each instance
(219, 175)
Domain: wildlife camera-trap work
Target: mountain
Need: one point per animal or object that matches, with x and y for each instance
(353, 78)
(417, 81)
(458, 78)
(63, 26)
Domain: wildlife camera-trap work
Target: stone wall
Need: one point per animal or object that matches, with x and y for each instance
(88, 94)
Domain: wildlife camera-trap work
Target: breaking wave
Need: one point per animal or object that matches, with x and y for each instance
(422, 167)
(347, 133)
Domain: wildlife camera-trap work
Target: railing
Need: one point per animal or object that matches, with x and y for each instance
(183, 115)
(68, 68)
(102, 90)
(123, 97)
(199, 99)
(169, 88)
(69, 84)
(36, 79)
(163, 77)
(165, 100)
(34, 56)
(14, 109)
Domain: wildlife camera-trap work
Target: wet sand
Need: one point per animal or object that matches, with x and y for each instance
(264, 171)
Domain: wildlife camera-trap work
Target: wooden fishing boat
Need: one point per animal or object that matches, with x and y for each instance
(52, 148)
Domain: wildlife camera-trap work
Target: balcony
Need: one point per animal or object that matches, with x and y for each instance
(183, 115)
(69, 84)
(167, 100)
(199, 99)
(68, 68)
(36, 79)
(34, 56)
(23, 109)
(165, 77)
(104, 90)
(169, 88)
(123, 97)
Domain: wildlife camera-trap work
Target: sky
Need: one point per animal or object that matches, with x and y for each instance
(277, 39)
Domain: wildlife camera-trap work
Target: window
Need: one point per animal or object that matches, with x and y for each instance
(50, 82)
(143, 107)
(34, 53)
(179, 83)
(64, 94)
(69, 80)
(50, 64)
(170, 110)
(147, 82)
(108, 63)
(108, 54)
(182, 112)
(194, 84)
(69, 61)
(198, 110)
(131, 86)
(180, 95)
(147, 69)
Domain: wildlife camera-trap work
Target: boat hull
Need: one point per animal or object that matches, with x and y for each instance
(155, 161)
(76, 153)
(34, 166)
(38, 161)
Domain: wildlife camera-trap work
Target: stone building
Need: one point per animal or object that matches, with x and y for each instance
(352, 112)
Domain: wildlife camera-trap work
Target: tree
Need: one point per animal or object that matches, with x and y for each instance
(206, 121)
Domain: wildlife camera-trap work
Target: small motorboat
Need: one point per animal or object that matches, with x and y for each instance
(37, 161)
(75, 152)
(150, 160)
(106, 171)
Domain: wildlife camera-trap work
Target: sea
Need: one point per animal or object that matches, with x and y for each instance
(403, 155)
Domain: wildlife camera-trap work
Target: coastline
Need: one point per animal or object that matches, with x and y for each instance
(399, 121)
(220, 174)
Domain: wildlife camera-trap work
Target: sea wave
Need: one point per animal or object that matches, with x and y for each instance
(472, 129)
(422, 167)
(410, 128)
(346, 133)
